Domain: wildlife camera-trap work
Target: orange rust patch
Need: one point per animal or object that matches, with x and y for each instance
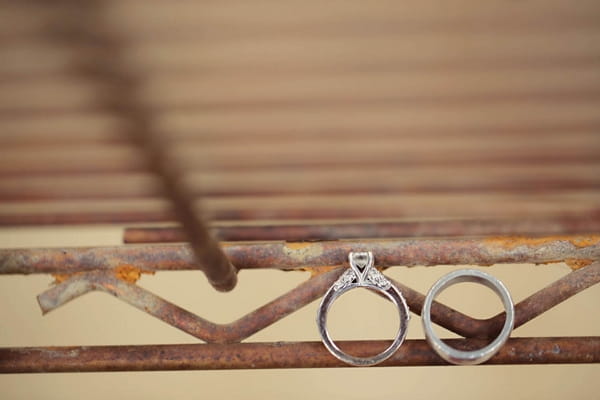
(511, 242)
(125, 272)
(585, 241)
(60, 278)
(576, 263)
(297, 245)
(129, 273)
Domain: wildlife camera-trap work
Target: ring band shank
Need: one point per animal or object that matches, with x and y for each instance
(393, 294)
(461, 357)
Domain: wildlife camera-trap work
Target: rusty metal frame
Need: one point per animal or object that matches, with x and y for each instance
(114, 270)
(94, 270)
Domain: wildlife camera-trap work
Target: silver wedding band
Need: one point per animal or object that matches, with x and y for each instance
(362, 274)
(451, 354)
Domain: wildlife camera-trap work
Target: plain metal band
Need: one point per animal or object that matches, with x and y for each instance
(451, 354)
(393, 294)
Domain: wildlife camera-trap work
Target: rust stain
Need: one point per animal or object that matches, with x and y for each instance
(511, 242)
(130, 273)
(60, 278)
(576, 263)
(125, 272)
(586, 241)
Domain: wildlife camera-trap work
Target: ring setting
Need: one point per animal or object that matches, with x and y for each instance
(363, 274)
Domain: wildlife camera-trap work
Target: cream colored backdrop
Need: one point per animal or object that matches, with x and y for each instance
(97, 319)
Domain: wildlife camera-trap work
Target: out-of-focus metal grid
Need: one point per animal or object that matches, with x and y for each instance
(429, 134)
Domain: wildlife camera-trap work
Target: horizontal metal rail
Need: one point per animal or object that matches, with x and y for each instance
(351, 181)
(126, 160)
(576, 250)
(423, 206)
(403, 228)
(560, 350)
(108, 138)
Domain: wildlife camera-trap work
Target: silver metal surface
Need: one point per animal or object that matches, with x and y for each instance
(362, 274)
(461, 357)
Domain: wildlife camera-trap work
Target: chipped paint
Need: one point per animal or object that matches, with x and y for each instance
(57, 352)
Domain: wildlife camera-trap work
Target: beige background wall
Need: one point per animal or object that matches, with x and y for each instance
(97, 319)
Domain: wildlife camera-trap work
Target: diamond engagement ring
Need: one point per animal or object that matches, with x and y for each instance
(451, 354)
(362, 274)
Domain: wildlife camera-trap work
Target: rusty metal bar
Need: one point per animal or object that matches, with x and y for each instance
(328, 61)
(576, 250)
(25, 163)
(120, 95)
(561, 350)
(351, 181)
(413, 228)
(331, 22)
(107, 138)
(289, 146)
(300, 296)
(327, 97)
